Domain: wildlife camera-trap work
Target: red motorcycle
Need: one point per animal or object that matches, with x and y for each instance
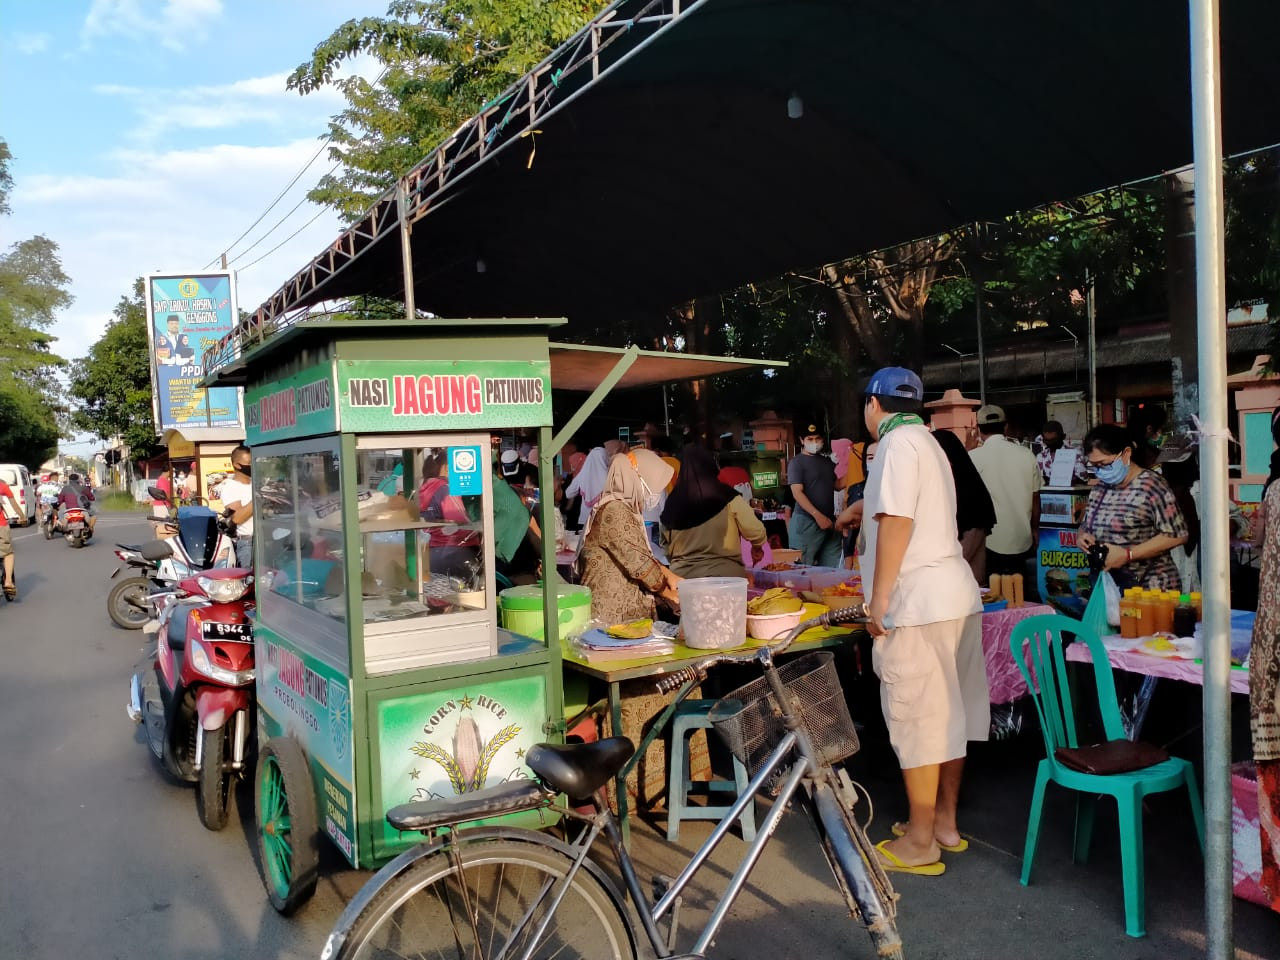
(74, 526)
(195, 698)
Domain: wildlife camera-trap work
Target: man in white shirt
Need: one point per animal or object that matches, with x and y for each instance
(1013, 478)
(925, 613)
(236, 493)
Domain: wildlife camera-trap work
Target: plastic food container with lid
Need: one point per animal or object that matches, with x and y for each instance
(521, 609)
(713, 612)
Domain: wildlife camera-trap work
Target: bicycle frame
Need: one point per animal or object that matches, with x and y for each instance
(794, 759)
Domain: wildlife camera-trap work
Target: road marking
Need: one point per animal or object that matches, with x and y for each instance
(37, 532)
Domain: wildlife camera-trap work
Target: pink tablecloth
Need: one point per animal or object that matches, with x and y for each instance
(1174, 669)
(1004, 679)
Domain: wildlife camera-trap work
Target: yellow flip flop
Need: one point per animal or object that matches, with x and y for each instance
(890, 861)
(900, 830)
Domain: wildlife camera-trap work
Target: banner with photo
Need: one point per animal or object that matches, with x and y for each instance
(187, 314)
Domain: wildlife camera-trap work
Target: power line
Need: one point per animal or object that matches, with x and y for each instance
(298, 176)
(276, 227)
(279, 197)
(318, 215)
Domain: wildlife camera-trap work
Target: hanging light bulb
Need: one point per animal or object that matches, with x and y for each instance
(795, 106)
(481, 266)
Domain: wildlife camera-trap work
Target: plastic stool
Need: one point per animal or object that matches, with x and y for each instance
(690, 716)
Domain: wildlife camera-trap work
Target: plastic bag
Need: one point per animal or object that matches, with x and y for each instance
(1103, 610)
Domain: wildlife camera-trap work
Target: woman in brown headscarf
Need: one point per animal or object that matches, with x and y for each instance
(617, 563)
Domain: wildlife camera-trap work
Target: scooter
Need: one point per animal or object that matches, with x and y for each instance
(129, 604)
(194, 699)
(74, 526)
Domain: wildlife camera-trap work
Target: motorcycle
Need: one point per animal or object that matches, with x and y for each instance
(129, 604)
(195, 698)
(48, 517)
(74, 526)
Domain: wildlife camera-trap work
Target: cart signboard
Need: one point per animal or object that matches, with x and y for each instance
(301, 696)
(456, 740)
(297, 406)
(395, 396)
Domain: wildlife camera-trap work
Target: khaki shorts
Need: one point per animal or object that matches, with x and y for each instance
(933, 689)
(6, 542)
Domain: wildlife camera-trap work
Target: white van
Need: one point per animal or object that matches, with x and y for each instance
(19, 480)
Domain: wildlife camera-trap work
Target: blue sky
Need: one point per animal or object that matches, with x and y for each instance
(148, 134)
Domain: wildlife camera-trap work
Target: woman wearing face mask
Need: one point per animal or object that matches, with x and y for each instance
(1133, 510)
(617, 563)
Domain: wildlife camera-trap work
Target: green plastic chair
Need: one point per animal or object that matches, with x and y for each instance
(1042, 637)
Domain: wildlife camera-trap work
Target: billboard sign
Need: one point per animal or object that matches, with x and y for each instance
(187, 314)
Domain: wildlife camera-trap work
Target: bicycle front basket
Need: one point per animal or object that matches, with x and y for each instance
(750, 724)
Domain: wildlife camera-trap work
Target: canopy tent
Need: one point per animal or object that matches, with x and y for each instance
(652, 159)
(676, 149)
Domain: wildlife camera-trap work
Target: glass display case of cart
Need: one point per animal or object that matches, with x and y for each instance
(424, 531)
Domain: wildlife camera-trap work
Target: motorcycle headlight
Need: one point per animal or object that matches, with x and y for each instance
(222, 590)
(200, 660)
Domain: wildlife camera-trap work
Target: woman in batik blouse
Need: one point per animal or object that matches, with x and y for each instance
(1133, 511)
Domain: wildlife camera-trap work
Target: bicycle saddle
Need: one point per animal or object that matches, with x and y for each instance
(578, 770)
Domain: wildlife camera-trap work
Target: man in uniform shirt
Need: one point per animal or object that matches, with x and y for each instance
(1013, 478)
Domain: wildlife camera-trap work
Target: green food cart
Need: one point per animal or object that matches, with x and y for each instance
(382, 673)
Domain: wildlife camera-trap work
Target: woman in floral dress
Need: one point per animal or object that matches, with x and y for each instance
(1264, 680)
(1133, 511)
(617, 562)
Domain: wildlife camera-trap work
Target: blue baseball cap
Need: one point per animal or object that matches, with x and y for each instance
(895, 382)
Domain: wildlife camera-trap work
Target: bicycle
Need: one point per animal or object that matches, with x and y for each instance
(499, 892)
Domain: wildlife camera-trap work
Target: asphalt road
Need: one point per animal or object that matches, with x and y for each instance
(104, 857)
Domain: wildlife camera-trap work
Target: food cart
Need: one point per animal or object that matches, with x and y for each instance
(382, 673)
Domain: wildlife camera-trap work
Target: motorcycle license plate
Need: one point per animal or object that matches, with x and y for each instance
(212, 630)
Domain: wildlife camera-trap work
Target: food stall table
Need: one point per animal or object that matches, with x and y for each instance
(1004, 680)
(1172, 668)
(614, 672)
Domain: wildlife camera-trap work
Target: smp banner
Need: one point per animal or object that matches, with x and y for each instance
(186, 314)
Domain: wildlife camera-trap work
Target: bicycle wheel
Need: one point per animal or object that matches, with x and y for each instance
(469, 907)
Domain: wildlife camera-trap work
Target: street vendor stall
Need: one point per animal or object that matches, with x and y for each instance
(382, 673)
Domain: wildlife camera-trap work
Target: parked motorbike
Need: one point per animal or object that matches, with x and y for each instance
(194, 699)
(129, 604)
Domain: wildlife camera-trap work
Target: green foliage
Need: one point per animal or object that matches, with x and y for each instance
(113, 383)
(121, 500)
(28, 425)
(443, 61)
(6, 179)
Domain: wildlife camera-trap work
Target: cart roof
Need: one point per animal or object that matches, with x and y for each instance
(581, 368)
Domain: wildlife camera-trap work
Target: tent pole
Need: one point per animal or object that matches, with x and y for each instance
(1095, 411)
(1206, 125)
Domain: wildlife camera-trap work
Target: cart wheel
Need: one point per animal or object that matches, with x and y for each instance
(288, 839)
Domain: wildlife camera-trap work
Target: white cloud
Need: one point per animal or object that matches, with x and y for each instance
(169, 211)
(172, 24)
(29, 43)
(165, 113)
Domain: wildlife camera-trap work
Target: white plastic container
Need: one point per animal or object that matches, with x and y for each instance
(713, 612)
(767, 626)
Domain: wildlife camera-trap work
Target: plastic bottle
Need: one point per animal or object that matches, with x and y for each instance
(1164, 612)
(1197, 599)
(1146, 604)
(1131, 614)
(1184, 617)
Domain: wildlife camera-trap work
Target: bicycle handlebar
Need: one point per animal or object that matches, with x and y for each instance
(667, 682)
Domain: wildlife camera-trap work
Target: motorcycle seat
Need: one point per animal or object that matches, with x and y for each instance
(129, 546)
(155, 551)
